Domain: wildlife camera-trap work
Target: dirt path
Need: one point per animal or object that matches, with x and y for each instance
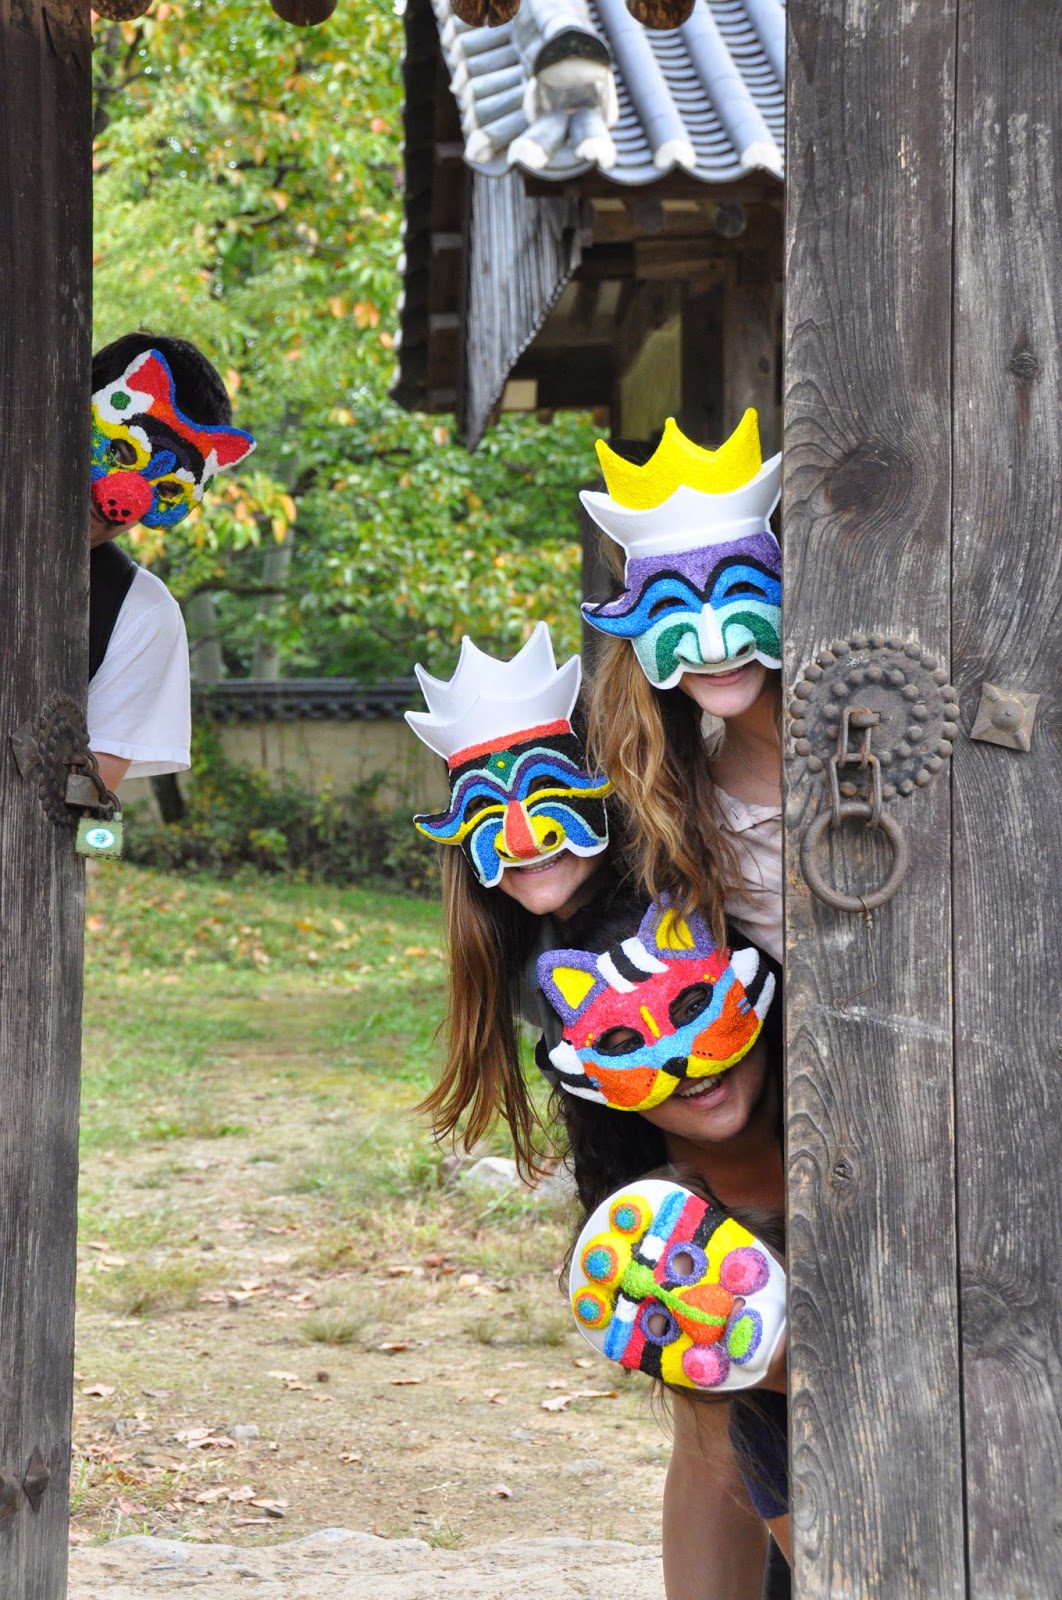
(337, 1564)
(276, 1335)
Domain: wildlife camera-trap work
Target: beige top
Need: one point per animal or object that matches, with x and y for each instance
(756, 834)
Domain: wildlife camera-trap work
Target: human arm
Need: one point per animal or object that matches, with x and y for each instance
(112, 768)
(715, 1545)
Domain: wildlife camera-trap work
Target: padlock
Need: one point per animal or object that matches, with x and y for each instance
(98, 837)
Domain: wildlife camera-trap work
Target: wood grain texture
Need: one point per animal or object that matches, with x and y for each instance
(875, 1413)
(1008, 830)
(44, 344)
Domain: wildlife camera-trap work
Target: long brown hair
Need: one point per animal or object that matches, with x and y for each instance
(651, 744)
(490, 938)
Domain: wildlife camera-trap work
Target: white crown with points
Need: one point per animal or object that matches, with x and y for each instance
(487, 699)
(689, 519)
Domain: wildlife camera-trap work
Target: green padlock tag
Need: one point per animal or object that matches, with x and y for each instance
(98, 838)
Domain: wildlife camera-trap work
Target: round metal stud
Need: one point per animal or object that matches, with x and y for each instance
(920, 712)
(940, 676)
(876, 640)
(903, 749)
(856, 677)
(907, 786)
(950, 729)
(803, 691)
(825, 658)
(896, 676)
(922, 778)
(910, 691)
(814, 764)
(1007, 715)
(802, 747)
(915, 734)
(813, 671)
(912, 649)
(858, 641)
(934, 764)
(875, 673)
(888, 791)
(840, 647)
(929, 661)
(800, 727)
(894, 641)
(945, 747)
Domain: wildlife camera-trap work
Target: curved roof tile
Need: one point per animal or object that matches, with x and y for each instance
(708, 98)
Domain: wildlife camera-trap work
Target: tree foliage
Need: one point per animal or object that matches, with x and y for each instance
(249, 196)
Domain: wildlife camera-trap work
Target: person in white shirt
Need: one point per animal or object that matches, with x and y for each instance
(161, 430)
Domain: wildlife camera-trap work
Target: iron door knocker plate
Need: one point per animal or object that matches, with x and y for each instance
(894, 697)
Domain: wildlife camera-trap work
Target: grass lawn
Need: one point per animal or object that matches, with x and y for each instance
(292, 1310)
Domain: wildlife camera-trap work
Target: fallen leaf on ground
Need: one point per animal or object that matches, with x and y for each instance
(401, 1383)
(204, 1439)
(395, 1344)
(99, 1391)
(560, 1402)
(502, 1491)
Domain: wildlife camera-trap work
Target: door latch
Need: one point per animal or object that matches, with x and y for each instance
(877, 715)
(53, 751)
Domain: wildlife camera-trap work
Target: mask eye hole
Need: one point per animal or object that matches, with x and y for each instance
(689, 1004)
(619, 1041)
(123, 452)
(538, 784)
(686, 1263)
(478, 803)
(658, 1325)
(660, 607)
(170, 489)
(744, 587)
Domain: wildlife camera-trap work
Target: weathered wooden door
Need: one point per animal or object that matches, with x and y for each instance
(45, 260)
(923, 487)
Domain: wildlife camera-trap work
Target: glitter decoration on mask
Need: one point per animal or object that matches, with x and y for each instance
(702, 579)
(520, 790)
(664, 1006)
(666, 1283)
(148, 462)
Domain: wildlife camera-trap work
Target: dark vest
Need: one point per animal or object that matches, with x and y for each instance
(111, 573)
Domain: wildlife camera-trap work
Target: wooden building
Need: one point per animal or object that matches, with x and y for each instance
(638, 268)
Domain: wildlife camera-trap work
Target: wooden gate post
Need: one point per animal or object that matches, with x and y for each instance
(923, 490)
(45, 263)
(875, 1423)
(1007, 632)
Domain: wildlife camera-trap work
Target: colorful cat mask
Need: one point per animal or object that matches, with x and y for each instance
(660, 1008)
(702, 581)
(665, 1283)
(519, 787)
(149, 462)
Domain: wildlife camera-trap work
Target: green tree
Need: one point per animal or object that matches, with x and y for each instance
(249, 196)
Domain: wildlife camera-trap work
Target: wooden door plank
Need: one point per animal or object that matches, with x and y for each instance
(874, 1418)
(1008, 828)
(45, 255)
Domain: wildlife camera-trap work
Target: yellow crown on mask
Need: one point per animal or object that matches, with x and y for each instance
(678, 462)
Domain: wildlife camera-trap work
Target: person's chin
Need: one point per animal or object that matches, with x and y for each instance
(545, 886)
(725, 694)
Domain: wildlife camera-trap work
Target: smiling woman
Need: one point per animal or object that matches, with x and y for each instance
(530, 822)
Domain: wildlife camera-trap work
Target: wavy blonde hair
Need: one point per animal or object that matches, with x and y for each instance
(651, 743)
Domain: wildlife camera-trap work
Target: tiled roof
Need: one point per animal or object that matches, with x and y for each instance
(708, 98)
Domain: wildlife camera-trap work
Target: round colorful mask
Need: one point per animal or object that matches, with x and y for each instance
(660, 1009)
(149, 462)
(665, 1283)
(703, 574)
(520, 791)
